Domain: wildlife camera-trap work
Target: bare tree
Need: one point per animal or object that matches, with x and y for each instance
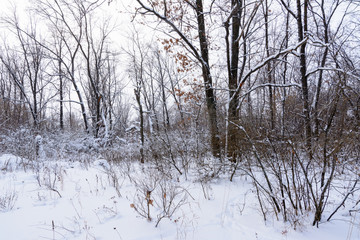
(136, 70)
(33, 81)
(60, 19)
(201, 53)
(80, 43)
(301, 17)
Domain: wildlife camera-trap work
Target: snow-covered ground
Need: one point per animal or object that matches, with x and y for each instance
(96, 200)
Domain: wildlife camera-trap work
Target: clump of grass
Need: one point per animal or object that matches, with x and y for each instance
(8, 200)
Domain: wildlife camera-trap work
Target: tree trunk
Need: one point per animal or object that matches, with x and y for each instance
(61, 91)
(284, 74)
(209, 90)
(166, 118)
(320, 78)
(302, 28)
(233, 62)
(138, 100)
(269, 68)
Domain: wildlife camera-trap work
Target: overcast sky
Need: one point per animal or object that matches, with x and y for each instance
(121, 10)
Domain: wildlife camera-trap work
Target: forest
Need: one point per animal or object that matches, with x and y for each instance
(164, 93)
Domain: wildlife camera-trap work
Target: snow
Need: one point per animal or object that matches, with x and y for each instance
(62, 200)
(9, 162)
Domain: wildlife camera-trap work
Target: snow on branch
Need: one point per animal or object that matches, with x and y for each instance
(270, 85)
(193, 49)
(333, 69)
(265, 61)
(70, 101)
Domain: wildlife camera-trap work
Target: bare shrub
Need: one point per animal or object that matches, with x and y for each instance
(291, 184)
(49, 177)
(143, 199)
(169, 197)
(8, 200)
(157, 195)
(21, 143)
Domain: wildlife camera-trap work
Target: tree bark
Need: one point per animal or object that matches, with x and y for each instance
(302, 29)
(138, 100)
(233, 63)
(209, 90)
(269, 68)
(61, 92)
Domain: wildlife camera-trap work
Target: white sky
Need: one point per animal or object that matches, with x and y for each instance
(121, 10)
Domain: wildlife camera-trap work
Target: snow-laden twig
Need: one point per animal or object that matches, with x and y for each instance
(352, 190)
(333, 69)
(272, 85)
(265, 61)
(70, 101)
(194, 51)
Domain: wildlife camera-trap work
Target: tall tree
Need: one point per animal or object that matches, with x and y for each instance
(28, 55)
(232, 53)
(61, 17)
(301, 17)
(86, 45)
(201, 54)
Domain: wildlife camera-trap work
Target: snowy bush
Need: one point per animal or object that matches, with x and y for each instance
(156, 195)
(8, 196)
(8, 200)
(291, 184)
